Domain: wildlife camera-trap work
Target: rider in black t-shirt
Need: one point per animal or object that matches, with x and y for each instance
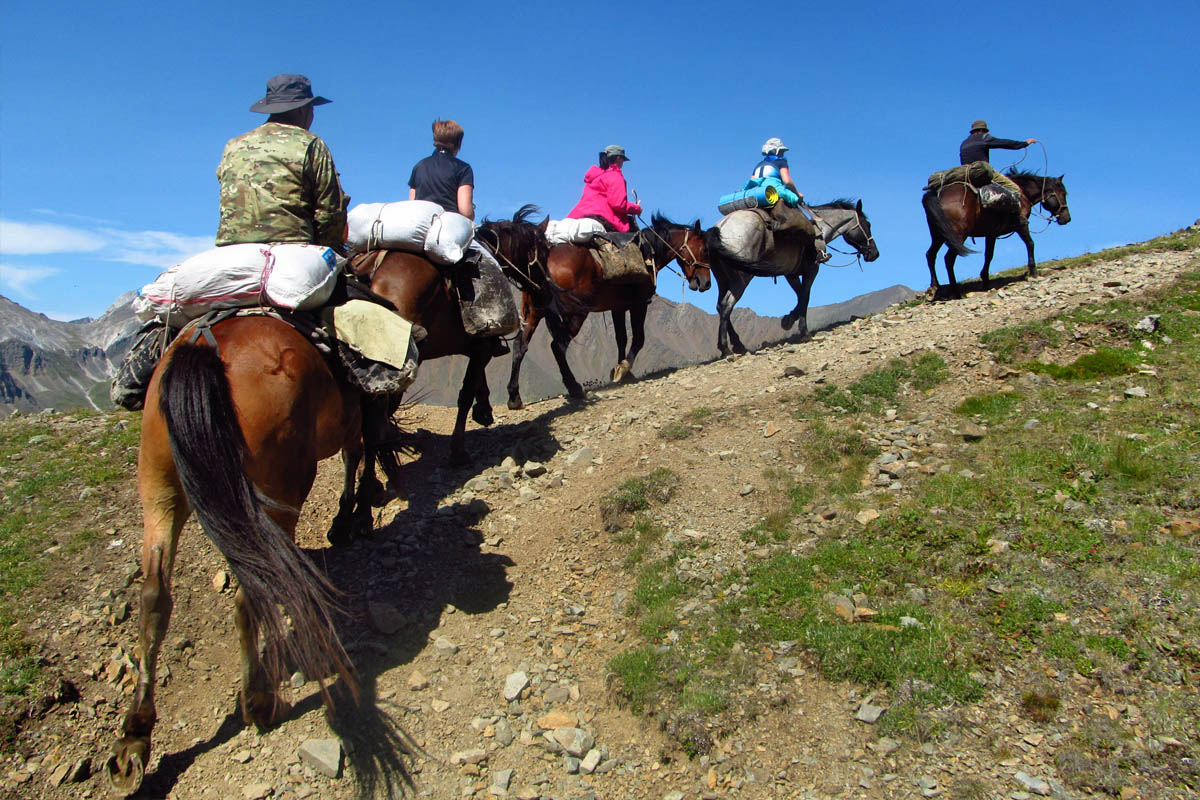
(443, 178)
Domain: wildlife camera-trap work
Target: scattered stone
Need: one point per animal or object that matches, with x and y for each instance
(746, 489)
(417, 681)
(842, 606)
(869, 714)
(473, 756)
(444, 647)
(581, 457)
(971, 431)
(1136, 391)
(533, 469)
(438, 705)
(242, 756)
(1148, 324)
(770, 429)
(220, 581)
(257, 791)
(574, 741)
(298, 680)
(514, 684)
(1033, 784)
(323, 755)
(792, 371)
(557, 719)
(929, 786)
(998, 546)
(385, 618)
(589, 763)
(501, 779)
(866, 515)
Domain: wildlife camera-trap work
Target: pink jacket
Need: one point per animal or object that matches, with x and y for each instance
(604, 195)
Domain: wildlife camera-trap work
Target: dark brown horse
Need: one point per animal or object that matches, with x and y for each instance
(421, 295)
(568, 285)
(233, 429)
(954, 213)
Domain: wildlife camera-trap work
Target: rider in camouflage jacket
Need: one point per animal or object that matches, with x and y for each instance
(279, 184)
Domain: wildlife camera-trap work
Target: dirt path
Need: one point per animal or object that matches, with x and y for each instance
(500, 580)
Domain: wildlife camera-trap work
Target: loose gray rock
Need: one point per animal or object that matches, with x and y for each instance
(323, 755)
(574, 741)
(581, 457)
(869, 714)
(257, 791)
(514, 684)
(1033, 784)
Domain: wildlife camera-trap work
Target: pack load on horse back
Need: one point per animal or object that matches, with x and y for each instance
(974, 199)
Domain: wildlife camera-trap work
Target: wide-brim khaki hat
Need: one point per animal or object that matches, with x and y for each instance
(285, 93)
(979, 125)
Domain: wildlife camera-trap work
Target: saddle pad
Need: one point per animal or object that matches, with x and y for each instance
(375, 332)
(623, 265)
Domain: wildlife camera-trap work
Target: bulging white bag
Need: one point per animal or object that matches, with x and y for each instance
(572, 231)
(403, 225)
(289, 276)
(448, 238)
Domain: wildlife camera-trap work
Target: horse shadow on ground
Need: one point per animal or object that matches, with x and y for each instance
(974, 286)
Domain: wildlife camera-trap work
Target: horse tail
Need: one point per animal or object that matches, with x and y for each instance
(208, 448)
(941, 223)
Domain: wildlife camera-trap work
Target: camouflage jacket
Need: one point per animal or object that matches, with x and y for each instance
(278, 184)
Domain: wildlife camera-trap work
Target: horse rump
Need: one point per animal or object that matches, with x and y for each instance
(939, 223)
(208, 449)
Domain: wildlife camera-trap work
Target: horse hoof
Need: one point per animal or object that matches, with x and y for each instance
(126, 767)
(620, 371)
(515, 404)
(787, 321)
(264, 710)
(482, 414)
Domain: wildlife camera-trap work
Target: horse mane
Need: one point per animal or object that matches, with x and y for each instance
(1018, 174)
(661, 222)
(845, 203)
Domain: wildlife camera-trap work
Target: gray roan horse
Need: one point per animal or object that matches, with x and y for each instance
(840, 218)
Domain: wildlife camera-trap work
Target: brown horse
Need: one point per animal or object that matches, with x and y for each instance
(567, 285)
(954, 213)
(233, 428)
(419, 291)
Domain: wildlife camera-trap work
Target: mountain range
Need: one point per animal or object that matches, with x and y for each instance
(45, 363)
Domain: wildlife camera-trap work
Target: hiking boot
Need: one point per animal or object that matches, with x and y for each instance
(823, 255)
(129, 385)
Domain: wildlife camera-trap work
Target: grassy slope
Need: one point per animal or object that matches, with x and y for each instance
(1066, 545)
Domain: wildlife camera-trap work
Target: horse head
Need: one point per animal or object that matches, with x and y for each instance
(1054, 199)
(520, 246)
(685, 245)
(859, 236)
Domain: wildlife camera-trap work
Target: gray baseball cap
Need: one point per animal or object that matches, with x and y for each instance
(616, 151)
(287, 92)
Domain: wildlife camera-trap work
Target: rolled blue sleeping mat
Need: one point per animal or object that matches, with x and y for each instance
(756, 197)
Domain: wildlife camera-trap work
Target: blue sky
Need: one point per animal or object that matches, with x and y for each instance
(113, 116)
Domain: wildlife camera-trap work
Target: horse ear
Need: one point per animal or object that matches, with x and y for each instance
(858, 206)
(696, 227)
(545, 224)
(1060, 177)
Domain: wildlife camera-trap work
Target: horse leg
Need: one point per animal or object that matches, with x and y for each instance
(353, 519)
(637, 320)
(931, 260)
(481, 412)
(478, 359)
(989, 248)
(802, 286)
(520, 346)
(1023, 232)
(622, 367)
(164, 510)
(261, 704)
(561, 333)
(951, 256)
(728, 341)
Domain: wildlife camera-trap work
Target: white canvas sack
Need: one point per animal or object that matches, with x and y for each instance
(742, 233)
(403, 225)
(448, 238)
(289, 276)
(572, 231)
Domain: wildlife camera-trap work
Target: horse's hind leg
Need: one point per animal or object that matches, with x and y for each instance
(637, 322)
(561, 333)
(931, 260)
(951, 256)
(164, 510)
(261, 704)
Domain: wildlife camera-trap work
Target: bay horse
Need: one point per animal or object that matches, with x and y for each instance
(954, 213)
(568, 285)
(840, 218)
(234, 425)
(418, 289)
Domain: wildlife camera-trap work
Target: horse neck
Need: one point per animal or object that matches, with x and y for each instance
(834, 222)
(1030, 186)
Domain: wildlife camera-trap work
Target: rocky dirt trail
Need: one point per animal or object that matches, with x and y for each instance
(486, 606)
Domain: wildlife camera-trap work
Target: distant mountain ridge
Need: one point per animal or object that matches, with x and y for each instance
(45, 363)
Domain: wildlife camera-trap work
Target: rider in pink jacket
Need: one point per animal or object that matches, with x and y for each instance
(605, 194)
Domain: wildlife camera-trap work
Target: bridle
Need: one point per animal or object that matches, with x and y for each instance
(857, 252)
(692, 260)
(526, 273)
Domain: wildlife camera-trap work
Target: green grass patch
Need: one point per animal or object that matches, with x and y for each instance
(637, 494)
(674, 431)
(993, 407)
(1105, 362)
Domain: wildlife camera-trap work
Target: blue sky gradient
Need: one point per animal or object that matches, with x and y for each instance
(113, 117)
